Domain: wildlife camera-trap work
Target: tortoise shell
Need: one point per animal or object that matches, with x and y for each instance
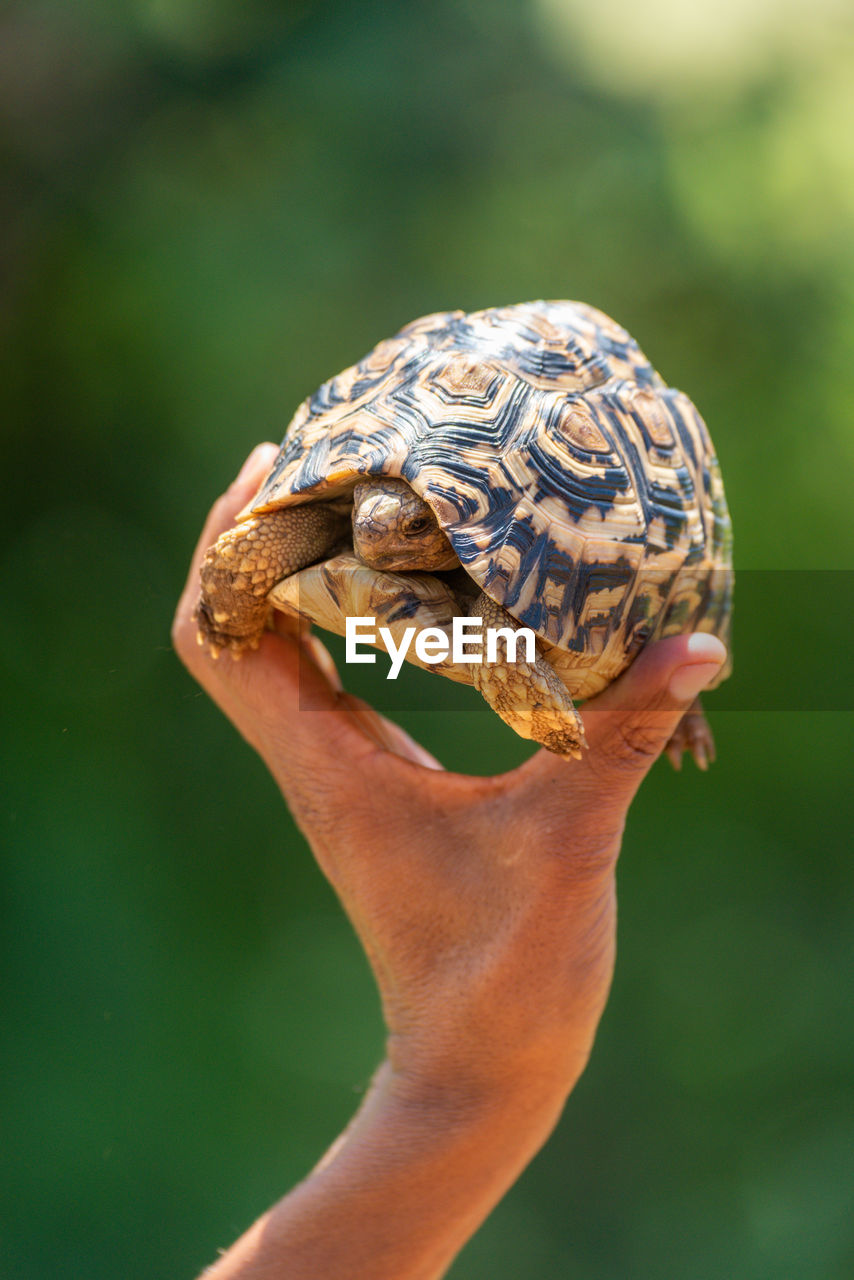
(578, 490)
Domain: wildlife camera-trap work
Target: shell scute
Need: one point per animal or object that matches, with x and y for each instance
(575, 424)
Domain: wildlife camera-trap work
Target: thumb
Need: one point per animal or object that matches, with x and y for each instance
(630, 723)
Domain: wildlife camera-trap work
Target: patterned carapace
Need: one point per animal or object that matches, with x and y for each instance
(578, 490)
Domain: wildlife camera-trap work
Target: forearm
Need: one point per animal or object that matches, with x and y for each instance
(404, 1188)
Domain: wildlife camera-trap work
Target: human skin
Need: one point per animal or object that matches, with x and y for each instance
(486, 907)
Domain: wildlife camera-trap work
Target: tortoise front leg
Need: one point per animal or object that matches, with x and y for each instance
(530, 697)
(246, 562)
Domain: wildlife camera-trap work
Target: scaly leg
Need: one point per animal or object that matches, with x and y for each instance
(692, 734)
(246, 562)
(530, 697)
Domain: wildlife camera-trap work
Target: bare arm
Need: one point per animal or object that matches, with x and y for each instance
(486, 907)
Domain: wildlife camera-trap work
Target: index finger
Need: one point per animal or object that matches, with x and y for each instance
(221, 516)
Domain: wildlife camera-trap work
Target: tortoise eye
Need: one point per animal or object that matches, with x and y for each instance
(418, 525)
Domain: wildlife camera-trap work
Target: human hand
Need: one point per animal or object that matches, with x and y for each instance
(485, 905)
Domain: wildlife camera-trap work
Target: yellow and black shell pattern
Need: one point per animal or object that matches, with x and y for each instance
(578, 490)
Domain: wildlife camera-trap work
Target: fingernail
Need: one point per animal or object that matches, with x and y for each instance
(709, 655)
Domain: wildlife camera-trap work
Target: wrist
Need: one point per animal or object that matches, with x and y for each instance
(467, 1081)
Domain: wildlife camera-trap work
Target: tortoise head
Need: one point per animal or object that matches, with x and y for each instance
(395, 529)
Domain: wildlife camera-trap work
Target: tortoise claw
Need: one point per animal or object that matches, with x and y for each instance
(692, 734)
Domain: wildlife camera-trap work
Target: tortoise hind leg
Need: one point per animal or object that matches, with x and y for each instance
(529, 696)
(246, 562)
(692, 734)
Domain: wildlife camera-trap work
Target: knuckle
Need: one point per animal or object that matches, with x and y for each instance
(633, 745)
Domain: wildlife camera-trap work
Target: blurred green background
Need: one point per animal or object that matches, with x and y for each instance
(208, 209)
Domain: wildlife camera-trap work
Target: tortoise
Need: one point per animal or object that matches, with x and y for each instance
(524, 465)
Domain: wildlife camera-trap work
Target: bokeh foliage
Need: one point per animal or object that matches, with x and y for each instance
(208, 209)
